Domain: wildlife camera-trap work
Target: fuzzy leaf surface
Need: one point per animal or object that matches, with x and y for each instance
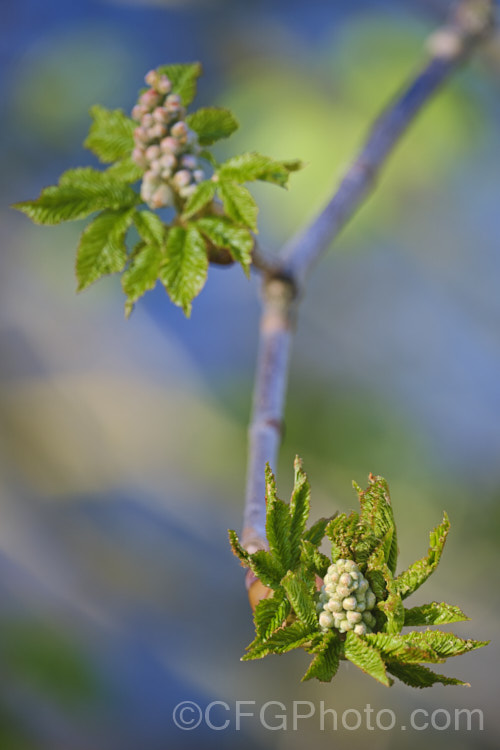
(80, 192)
(102, 248)
(254, 166)
(185, 266)
(364, 656)
(212, 123)
(325, 664)
(141, 274)
(223, 233)
(414, 576)
(111, 135)
(184, 78)
(238, 203)
(433, 614)
(301, 599)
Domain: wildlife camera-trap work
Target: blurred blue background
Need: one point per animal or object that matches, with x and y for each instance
(122, 444)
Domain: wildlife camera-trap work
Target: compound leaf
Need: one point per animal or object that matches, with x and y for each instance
(212, 123)
(111, 135)
(224, 234)
(102, 248)
(183, 77)
(185, 266)
(238, 203)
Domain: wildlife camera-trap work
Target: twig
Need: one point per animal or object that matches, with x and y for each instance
(469, 24)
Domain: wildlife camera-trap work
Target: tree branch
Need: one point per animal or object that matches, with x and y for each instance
(469, 24)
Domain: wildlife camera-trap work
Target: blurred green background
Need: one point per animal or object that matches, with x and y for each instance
(123, 444)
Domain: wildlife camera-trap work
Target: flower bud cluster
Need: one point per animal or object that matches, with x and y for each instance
(345, 599)
(165, 147)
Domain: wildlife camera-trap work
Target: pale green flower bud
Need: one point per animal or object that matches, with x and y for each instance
(326, 620)
(350, 565)
(334, 605)
(340, 563)
(361, 605)
(369, 619)
(344, 626)
(360, 629)
(345, 579)
(370, 599)
(343, 591)
(354, 617)
(349, 602)
(333, 575)
(363, 586)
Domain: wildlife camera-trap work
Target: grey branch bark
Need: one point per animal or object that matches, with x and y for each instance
(470, 23)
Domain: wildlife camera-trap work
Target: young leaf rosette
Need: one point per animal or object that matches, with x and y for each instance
(160, 160)
(349, 606)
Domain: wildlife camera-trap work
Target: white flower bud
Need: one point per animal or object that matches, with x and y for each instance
(182, 178)
(350, 565)
(141, 135)
(354, 617)
(150, 99)
(163, 85)
(148, 188)
(138, 112)
(326, 620)
(360, 629)
(153, 152)
(147, 120)
(333, 574)
(157, 130)
(370, 599)
(139, 157)
(340, 563)
(180, 130)
(163, 196)
(151, 177)
(187, 191)
(331, 588)
(344, 626)
(345, 579)
(161, 115)
(155, 167)
(349, 602)
(170, 145)
(151, 78)
(189, 161)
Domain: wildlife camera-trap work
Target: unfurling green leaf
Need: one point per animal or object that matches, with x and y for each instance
(418, 676)
(299, 510)
(317, 531)
(126, 171)
(325, 664)
(277, 524)
(253, 166)
(211, 124)
(430, 646)
(102, 248)
(364, 656)
(240, 552)
(222, 233)
(80, 192)
(285, 639)
(313, 559)
(185, 266)
(412, 578)
(270, 614)
(376, 523)
(183, 77)
(433, 614)
(238, 204)
(301, 599)
(341, 531)
(202, 196)
(111, 135)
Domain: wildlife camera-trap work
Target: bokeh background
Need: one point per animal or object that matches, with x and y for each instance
(122, 444)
